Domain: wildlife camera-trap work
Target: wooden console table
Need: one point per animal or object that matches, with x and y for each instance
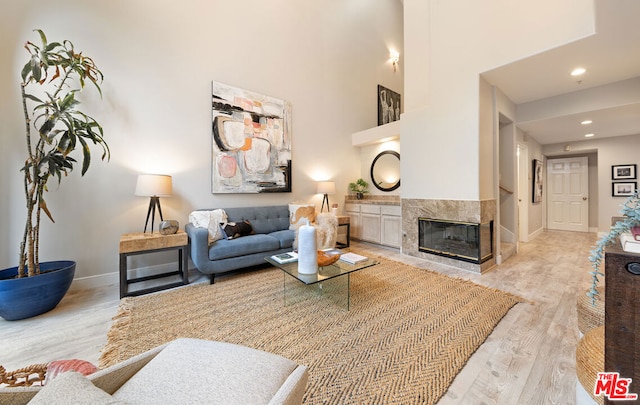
(141, 243)
(622, 315)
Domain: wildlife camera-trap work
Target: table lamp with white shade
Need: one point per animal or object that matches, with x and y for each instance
(153, 186)
(326, 188)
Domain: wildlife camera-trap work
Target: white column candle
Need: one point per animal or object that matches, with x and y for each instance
(307, 251)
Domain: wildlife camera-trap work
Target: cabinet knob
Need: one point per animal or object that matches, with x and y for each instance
(634, 268)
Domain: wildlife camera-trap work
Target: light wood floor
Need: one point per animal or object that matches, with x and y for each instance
(528, 359)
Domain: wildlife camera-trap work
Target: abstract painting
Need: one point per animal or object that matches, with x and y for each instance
(251, 142)
(537, 181)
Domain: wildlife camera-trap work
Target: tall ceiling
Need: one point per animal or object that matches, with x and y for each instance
(611, 55)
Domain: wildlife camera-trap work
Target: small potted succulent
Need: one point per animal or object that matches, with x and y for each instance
(54, 74)
(631, 217)
(359, 187)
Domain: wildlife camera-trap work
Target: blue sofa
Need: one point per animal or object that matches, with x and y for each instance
(272, 236)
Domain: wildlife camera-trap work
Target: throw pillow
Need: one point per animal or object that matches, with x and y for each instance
(62, 366)
(300, 213)
(238, 229)
(72, 388)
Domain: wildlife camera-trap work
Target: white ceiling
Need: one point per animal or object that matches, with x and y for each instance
(610, 56)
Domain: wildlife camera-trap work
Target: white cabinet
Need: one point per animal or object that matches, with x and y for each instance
(370, 223)
(391, 225)
(381, 224)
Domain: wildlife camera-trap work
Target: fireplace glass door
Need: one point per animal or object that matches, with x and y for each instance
(459, 240)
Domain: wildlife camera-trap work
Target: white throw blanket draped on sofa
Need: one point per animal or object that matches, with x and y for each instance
(210, 220)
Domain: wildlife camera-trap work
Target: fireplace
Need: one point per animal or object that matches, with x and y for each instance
(465, 241)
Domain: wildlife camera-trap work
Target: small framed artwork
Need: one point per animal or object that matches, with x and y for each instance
(623, 189)
(388, 105)
(537, 181)
(623, 172)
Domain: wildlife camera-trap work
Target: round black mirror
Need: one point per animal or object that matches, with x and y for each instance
(385, 170)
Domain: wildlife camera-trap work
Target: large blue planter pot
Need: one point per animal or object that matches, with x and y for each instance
(26, 297)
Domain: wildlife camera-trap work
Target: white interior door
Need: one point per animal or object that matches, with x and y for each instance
(568, 196)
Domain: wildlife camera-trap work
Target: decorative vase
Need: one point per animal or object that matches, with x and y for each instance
(168, 227)
(359, 196)
(27, 297)
(307, 252)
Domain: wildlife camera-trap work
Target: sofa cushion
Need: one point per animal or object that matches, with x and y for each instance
(285, 238)
(200, 371)
(72, 388)
(227, 248)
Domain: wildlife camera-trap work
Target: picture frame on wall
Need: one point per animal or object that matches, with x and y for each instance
(623, 189)
(388, 105)
(251, 148)
(623, 172)
(537, 181)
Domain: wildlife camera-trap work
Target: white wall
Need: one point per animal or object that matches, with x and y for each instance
(488, 140)
(620, 150)
(159, 59)
(459, 39)
(536, 212)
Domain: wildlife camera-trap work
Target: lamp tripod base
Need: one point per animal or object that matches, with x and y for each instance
(153, 202)
(325, 198)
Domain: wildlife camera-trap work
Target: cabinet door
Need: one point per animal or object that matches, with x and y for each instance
(354, 221)
(370, 227)
(353, 212)
(391, 231)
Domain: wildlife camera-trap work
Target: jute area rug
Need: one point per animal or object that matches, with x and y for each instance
(408, 333)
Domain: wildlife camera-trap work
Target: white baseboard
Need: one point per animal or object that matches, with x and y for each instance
(103, 280)
(536, 233)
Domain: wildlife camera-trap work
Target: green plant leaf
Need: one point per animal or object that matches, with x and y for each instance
(34, 98)
(25, 71)
(86, 156)
(36, 72)
(43, 37)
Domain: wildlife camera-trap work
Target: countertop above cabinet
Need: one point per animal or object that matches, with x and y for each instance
(373, 199)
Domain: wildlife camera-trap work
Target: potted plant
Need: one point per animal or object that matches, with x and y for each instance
(54, 128)
(359, 187)
(631, 217)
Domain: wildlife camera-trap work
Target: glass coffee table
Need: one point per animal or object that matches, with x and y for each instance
(332, 281)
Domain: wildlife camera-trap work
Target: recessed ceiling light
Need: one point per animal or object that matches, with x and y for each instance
(586, 122)
(578, 71)
(588, 135)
